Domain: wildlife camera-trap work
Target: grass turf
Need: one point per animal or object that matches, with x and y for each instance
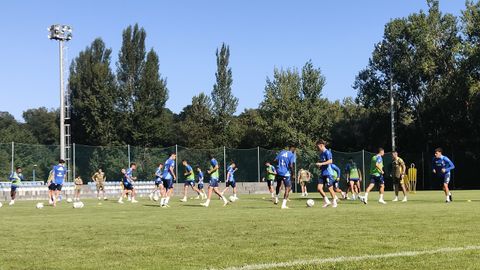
(249, 231)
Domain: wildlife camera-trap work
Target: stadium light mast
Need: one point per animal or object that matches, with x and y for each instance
(61, 33)
(392, 100)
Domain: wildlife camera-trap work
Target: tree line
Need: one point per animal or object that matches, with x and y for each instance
(431, 59)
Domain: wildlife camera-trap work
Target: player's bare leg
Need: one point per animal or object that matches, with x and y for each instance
(285, 197)
(404, 190)
(382, 191)
(209, 196)
(333, 195)
(447, 192)
(326, 201)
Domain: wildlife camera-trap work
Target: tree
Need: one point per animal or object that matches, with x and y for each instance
(12, 131)
(43, 124)
(150, 99)
(93, 94)
(224, 103)
(130, 67)
(196, 122)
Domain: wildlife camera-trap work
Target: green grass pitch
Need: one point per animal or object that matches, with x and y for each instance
(250, 231)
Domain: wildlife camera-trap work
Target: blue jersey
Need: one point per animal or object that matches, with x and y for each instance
(285, 159)
(170, 163)
(127, 178)
(323, 157)
(158, 173)
(231, 171)
(440, 163)
(59, 173)
(200, 177)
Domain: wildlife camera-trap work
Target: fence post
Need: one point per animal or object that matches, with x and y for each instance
(363, 169)
(423, 172)
(295, 173)
(128, 153)
(74, 173)
(258, 159)
(224, 164)
(13, 157)
(176, 163)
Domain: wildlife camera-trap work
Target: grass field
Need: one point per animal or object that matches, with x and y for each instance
(250, 231)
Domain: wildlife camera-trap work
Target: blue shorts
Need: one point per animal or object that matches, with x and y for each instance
(168, 183)
(354, 179)
(200, 186)
(54, 187)
(377, 179)
(13, 188)
(327, 180)
(283, 179)
(189, 183)
(444, 178)
(214, 182)
(127, 186)
(231, 184)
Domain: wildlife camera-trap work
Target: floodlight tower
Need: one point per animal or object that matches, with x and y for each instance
(61, 33)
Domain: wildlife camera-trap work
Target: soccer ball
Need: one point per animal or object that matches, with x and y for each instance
(78, 205)
(232, 199)
(310, 203)
(39, 205)
(69, 200)
(155, 198)
(1, 205)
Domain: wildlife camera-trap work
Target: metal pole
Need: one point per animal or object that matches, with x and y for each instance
(258, 164)
(13, 157)
(423, 172)
(224, 164)
(128, 150)
(176, 163)
(33, 173)
(62, 105)
(363, 169)
(74, 168)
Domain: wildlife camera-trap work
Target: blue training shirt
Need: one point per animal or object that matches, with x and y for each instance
(200, 177)
(231, 171)
(170, 163)
(59, 172)
(324, 156)
(285, 159)
(440, 163)
(128, 176)
(336, 169)
(158, 174)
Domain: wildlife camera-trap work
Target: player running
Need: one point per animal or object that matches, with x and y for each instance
(326, 175)
(168, 177)
(99, 179)
(158, 183)
(128, 181)
(78, 188)
(231, 180)
(200, 179)
(304, 177)
(376, 176)
(442, 166)
(213, 186)
(16, 177)
(189, 181)
(354, 177)
(336, 186)
(59, 171)
(270, 177)
(398, 174)
(285, 167)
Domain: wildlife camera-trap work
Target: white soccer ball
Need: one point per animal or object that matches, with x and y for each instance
(310, 203)
(232, 199)
(1, 205)
(155, 198)
(39, 205)
(78, 205)
(69, 200)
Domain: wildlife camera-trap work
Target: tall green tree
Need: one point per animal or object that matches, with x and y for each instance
(196, 123)
(43, 124)
(93, 95)
(224, 102)
(130, 68)
(150, 99)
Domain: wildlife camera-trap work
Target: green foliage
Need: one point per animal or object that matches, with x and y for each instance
(196, 123)
(43, 124)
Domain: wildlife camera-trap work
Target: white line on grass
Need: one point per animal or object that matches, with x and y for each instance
(351, 259)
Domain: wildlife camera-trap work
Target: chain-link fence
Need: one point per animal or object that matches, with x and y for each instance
(37, 161)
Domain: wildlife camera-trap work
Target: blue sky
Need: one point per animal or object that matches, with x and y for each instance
(337, 35)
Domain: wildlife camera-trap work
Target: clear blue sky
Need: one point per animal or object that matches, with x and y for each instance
(337, 35)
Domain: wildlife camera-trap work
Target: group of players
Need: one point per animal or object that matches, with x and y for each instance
(282, 173)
